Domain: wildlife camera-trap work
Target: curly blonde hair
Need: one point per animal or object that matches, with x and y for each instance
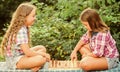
(18, 20)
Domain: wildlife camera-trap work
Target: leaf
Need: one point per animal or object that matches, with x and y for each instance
(109, 1)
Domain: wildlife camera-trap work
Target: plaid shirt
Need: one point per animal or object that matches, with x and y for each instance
(102, 44)
(21, 38)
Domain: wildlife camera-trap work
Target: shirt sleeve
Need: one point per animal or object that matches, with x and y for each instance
(98, 44)
(22, 37)
(85, 38)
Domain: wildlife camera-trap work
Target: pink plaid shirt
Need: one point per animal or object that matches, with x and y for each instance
(102, 44)
(21, 38)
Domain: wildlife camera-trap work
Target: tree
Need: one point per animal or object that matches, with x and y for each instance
(7, 7)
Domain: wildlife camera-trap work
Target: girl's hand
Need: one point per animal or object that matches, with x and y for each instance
(47, 56)
(92, 55)
(73, 55)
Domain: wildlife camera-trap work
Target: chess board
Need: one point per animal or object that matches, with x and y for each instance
(60, 64)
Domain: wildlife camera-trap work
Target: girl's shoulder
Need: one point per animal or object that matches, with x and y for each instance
(23, 29)
(102, 34)
(105, 33)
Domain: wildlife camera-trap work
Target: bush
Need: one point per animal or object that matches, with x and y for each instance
(58, 27)
(58, 37)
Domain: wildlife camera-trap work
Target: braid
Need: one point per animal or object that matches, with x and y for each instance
(3, 43)
(10, 35)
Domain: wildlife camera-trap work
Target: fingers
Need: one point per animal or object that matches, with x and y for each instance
(47, 57)
(73, 56)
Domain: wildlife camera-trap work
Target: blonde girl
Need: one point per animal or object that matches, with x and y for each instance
(16, 42)
(97, 46)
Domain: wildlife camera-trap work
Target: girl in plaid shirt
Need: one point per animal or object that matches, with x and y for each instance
(97, 47)
(16, 42)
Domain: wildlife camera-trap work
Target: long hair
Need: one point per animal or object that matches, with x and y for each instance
(18, 20)
(95, 22)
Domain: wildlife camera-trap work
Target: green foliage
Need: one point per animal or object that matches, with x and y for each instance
(1, 57)
(7, 7)
(58, 27)
(66, 11)
(58, 37)
(0, 39)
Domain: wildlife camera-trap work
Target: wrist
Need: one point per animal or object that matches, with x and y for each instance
(92, 55)
(74, 50)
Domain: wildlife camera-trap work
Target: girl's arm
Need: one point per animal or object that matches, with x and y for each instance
(84, 40)
(78, 46)
(92, 55)
(74, 52)
(27, 50)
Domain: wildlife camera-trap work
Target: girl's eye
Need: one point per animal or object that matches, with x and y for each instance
(34, 15)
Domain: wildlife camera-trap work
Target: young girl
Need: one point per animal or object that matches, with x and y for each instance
(97, 47)
(16, 42)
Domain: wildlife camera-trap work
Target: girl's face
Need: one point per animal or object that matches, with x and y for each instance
(86, 25)
(30, 18)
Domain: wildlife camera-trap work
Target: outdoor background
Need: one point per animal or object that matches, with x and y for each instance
(57, 26)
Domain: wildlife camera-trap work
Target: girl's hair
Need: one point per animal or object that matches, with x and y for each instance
(18, 20)
(94, 20)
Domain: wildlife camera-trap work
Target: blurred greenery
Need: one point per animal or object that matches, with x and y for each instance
(7, 7)
(58, 27)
